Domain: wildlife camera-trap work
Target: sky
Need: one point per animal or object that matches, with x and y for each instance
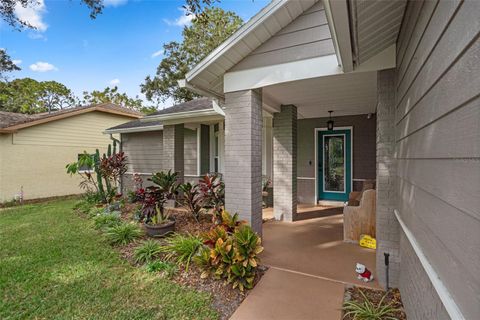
(120, 47)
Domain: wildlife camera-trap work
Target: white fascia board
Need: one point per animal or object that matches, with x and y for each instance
(448, 302)
(183, 83)
(280, 73)
(193, 120)
(234, 39)
(136, 129)
(217, 108)
(180, 115)
(338, 21)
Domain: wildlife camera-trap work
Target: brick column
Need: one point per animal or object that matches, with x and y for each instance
(243, 156)
(387, 226)
(285, 163)
(173, 149)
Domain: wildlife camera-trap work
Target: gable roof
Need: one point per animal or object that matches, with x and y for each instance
(207, 75)
(154, 121)
(10, 122)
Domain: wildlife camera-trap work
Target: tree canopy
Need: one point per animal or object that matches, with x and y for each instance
(199, 39)
(30, 96)
(112, 95)
(6, 64)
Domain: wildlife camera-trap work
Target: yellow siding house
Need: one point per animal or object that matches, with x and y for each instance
(34, 149)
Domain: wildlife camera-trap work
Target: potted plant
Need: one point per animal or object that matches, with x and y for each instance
(156, 220)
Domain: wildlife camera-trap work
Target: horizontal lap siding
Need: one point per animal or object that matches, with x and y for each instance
(438, 150)
(308, 36)
(190, 152)
(144, 151)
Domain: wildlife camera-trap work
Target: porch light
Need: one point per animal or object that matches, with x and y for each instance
(330, 121)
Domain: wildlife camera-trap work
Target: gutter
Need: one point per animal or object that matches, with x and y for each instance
(183, 83)
(134, 129)
(182, 115)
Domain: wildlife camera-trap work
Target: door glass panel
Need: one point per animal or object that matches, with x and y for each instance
(334, 163)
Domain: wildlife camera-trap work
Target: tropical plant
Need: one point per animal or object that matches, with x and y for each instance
(229, 222)
(95, 211)
(167, 269)
(167, 183)
(182, 248)
(106, 220)
(153, 206)
(213, 194)
(192, 199)
(123, 233)
(367, 310)
(147, 251)
(233, 256)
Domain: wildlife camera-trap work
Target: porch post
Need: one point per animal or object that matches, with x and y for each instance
(387, 227)
(173, 149)
(243, 156)
(285, 163)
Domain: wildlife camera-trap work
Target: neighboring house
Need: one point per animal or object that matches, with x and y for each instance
(403, 82)
(34, 149)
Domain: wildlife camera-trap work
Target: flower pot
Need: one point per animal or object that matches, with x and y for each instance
(159, 230)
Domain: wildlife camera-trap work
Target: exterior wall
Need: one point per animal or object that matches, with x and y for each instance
(363, 151)
(173, 149)
(437, 144)
(308, 36)
(35, 157)
(190, 152)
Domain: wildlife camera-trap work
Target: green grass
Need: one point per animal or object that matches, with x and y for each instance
(54, 265)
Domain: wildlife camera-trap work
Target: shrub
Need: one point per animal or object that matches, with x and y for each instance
(147, 251)
(233, 256)
(193, 199)
(95, 211)
(83, 206)
(167, 269)
(123, 233)
(106, 220)
(367, 310)
(182, 248)
(213, 194)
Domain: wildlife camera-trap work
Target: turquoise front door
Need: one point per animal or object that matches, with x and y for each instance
(334, 154)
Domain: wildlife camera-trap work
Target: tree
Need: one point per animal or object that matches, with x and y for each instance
(7, 11)
(30, 96)
(6, 64)
(112, 95)
(199, 40)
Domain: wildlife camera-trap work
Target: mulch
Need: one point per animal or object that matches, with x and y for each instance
(352, 293)
(225, 299)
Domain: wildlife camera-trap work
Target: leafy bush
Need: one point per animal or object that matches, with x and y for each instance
(167, 269)
(83, 206)
(366, 310)
(193, 199)
(147, 251)
(106, 220)
(233, 256)
(213, 193)
(123, 233)
(95, 211)
(182, 248)
(229, 222)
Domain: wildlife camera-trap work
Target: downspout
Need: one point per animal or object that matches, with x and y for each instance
(352, 10)
(119, 142)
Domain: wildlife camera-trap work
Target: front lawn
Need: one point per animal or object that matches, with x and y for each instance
(53, 264)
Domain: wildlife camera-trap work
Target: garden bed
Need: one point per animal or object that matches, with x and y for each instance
(392, 298)
(225, 299)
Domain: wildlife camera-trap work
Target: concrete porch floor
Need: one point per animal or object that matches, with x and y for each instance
(309, 268)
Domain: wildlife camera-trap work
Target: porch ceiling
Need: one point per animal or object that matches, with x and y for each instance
(345, 94)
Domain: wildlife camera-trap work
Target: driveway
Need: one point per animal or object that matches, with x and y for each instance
(309, 266)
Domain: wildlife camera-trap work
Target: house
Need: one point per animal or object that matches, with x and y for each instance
(34, 149)
(402, 79)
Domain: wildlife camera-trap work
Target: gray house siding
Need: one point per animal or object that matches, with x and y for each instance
(438, 153)
(364, 151)
(308, 36)
(190, 152)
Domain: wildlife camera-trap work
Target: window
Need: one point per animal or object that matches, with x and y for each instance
(216, 147)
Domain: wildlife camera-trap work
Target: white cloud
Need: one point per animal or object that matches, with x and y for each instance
(37, 35)
(181, 21)
(157, 53)
(33, 14)
(17, 61)
(114, 82)
(114, 3)
(41, 66)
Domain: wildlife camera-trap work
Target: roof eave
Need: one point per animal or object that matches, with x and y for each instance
(134, 129)
(181, 115)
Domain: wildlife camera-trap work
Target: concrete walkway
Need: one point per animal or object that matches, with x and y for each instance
(309, 267)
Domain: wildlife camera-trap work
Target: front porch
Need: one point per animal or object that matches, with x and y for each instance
(309, 267)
